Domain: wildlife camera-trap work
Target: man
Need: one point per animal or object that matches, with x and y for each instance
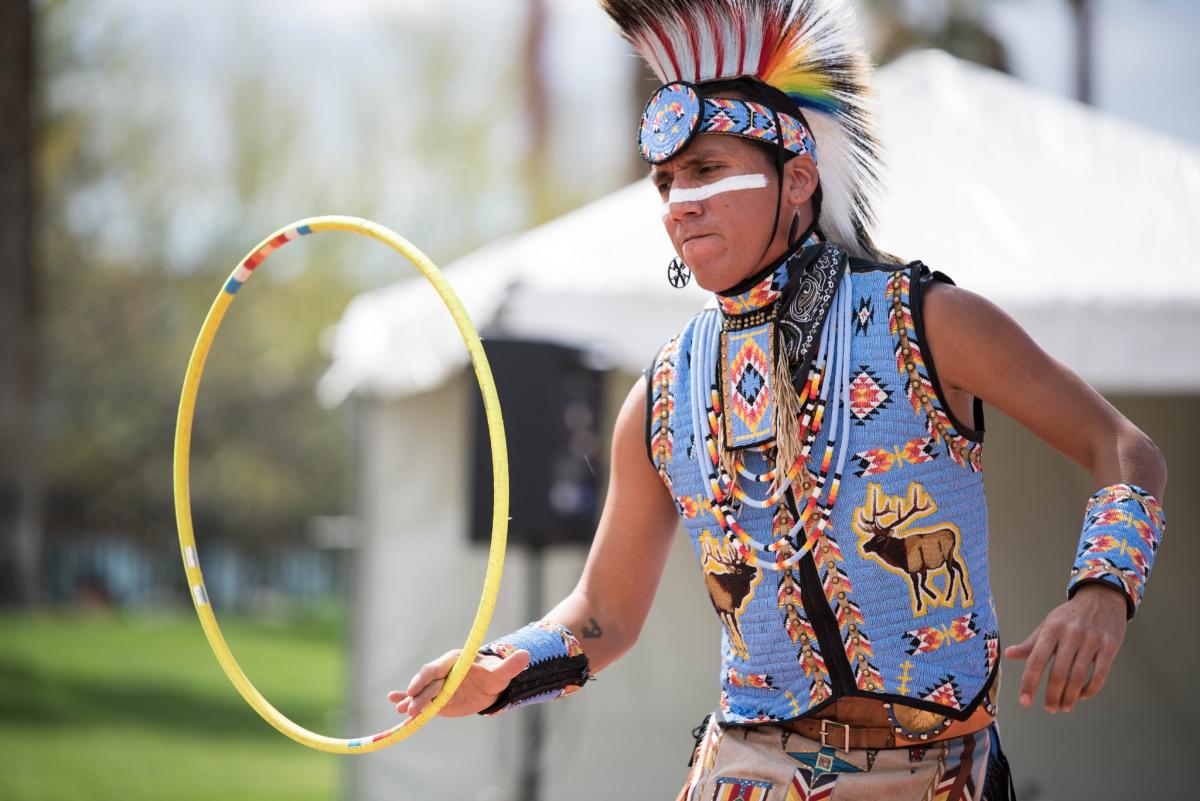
(827, 472)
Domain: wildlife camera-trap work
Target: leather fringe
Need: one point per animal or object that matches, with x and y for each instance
(787, 418)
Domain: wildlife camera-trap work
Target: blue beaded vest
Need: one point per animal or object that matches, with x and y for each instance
(861, 568)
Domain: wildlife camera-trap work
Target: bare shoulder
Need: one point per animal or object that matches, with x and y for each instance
(977, 343)
(631, 419)
(982, 350)
(951, 309)
(632, 467)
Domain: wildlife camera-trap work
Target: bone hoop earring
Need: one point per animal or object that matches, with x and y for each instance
(794, 231)
(678, 273)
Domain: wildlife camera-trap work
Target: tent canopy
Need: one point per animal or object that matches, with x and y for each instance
(1073, 221)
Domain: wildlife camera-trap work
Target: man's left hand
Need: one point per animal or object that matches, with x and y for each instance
(1083, 637)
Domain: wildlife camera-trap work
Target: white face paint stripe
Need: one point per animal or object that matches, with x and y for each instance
(733, 183)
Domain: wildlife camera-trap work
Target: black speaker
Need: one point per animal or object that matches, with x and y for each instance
(550, 399)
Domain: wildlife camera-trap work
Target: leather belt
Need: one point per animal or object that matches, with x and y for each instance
(841, 736)
(871, 726)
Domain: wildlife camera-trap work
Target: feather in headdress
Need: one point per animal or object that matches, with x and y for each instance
(804, 48)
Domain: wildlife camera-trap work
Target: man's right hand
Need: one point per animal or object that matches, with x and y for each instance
(624, 566)
(484, 682)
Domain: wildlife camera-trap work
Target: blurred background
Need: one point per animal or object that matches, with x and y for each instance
(1042, 152)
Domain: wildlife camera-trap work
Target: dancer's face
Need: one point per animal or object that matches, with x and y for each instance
(719, 200)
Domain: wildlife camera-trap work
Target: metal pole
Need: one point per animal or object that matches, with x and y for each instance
(532, 717)
(1084, 25)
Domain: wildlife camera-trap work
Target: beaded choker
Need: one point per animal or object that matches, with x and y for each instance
(770, 327)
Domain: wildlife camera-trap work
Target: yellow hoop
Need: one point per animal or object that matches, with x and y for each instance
(183, 509)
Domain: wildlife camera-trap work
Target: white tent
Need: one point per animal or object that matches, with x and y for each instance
(1076, 223)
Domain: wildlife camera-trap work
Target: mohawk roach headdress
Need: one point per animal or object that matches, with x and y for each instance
(807, 76)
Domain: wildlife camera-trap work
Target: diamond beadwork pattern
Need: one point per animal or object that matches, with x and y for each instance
(750, 400)
(867, 396)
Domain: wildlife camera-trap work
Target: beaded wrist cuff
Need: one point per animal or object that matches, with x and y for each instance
(557, 668)
(1122, 527)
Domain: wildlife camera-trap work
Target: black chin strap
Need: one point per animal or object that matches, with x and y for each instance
(814, 223)
(770, 97)
(781, 159)
(779, 162)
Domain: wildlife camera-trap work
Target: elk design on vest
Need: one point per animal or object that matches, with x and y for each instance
(883, 525)
(730, 581)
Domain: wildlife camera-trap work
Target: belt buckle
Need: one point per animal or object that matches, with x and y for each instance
(825, 724)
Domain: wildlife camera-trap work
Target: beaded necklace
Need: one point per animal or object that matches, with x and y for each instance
(729, 474)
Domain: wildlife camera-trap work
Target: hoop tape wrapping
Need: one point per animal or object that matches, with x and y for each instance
(183, 510)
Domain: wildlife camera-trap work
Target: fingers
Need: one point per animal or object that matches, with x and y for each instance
(506, 670)
(1084, 659)
(400, 699)
(1022, 650)
(421, 700)
(1067, 645)
(1104, 659)
(423, 686)
(1082, 637)
(488, 676)
(437, 669)
(1039, 656)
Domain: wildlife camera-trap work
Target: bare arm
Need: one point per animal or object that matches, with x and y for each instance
(607, 608)
(609, 604)
(981, 351)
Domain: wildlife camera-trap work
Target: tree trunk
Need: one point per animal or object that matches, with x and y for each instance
(20, 513)
(536, 110)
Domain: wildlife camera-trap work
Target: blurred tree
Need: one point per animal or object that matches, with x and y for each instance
(20, 522)
(123, 308)
(150, 191)
(19, 459)
(537, 109)
(956, 26)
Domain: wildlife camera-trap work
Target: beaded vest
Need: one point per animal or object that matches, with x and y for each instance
(865, 573)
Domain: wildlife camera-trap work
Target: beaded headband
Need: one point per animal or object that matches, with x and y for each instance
(678, 112)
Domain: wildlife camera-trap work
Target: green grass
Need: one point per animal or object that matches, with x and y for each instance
(104, 707)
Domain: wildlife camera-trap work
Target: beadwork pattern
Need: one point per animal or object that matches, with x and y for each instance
(800, 603)
(662, 439)
(675, 114)
(748, 356)
(669, 122)
(557, 665)
(910, 359)
(1122, 528)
